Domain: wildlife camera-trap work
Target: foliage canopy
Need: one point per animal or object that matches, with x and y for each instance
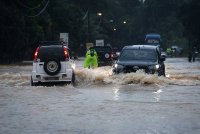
(123, 22)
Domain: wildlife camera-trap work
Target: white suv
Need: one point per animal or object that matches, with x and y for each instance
(52, 63)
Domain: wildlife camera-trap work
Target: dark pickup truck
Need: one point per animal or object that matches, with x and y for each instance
(105, 55)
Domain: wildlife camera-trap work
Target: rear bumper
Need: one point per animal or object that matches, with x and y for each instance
(61, 77)
(105, 63)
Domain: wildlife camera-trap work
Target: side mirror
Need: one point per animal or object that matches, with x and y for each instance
(162, 58)
(116, 55)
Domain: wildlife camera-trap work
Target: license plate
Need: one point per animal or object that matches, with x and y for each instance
(51, 78)
(136, 67)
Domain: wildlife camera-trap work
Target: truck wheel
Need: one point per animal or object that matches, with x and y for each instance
(32, 83)
(73, 79)
(161, 72)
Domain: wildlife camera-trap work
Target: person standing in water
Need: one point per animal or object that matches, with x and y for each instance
(91, 59)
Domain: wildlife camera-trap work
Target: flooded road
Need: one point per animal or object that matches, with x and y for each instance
(103, 103)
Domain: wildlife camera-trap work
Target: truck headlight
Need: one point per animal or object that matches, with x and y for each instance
(154, 67)
(157, 66)
(118, 66)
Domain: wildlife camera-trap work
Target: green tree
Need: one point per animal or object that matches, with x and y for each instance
(190, 18)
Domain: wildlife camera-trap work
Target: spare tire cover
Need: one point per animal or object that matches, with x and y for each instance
(52, 67)
(107, 55)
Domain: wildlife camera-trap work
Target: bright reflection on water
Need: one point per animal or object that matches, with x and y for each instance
(167, 75)
(116, 93)
(157, 95)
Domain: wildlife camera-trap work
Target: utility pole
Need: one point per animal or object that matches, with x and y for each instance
(88, 27)
(52, 19)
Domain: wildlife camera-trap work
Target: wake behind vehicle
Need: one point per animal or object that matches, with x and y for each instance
(52, 63)
(105, 55)
(140, 57)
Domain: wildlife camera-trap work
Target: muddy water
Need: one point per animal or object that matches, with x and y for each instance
(102, 102)
(178, 72)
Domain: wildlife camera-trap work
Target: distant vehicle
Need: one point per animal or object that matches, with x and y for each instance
(52, 63)
(163, 54)
(153, 39)
(105, 55)
(176, 50)
(140, 57)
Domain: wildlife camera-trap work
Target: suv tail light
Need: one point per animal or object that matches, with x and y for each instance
(111, 55)
(36, 54)
(66, 54)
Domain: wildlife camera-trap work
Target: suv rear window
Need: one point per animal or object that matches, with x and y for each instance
(51, 52)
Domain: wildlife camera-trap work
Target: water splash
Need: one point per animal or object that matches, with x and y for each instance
(92, 76)
(104, 76)
(14, 79)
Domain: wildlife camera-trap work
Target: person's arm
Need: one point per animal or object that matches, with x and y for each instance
(95, 53)
(87, 53)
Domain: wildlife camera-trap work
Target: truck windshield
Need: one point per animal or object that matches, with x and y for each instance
(135, 54)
